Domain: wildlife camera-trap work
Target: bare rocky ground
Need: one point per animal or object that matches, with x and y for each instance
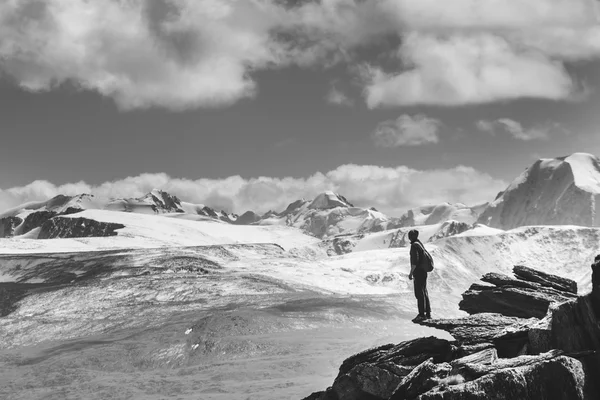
(173, 323)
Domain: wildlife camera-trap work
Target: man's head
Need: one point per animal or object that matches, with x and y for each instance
(413, 235)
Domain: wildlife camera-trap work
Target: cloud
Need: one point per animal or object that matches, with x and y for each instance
(516, 130)
(337, 97)
(407, 130)
(466, 69)
(175, 54)
(391, 190)
(181, 54)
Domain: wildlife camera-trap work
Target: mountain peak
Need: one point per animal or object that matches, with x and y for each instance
(329, 199)
(553, 191)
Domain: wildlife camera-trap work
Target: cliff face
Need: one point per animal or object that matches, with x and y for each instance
(493, 356)
(76, 228)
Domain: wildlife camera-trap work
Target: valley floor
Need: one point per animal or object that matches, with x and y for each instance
(277, 348)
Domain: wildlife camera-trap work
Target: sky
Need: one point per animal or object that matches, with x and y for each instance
(252, 104)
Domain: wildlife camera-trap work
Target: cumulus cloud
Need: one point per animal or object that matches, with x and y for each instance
(391, 190)
(516, 129)
(406, 130)
(467, 69)
(183, 54)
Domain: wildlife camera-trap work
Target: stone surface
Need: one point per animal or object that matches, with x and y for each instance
(412, 352)
(423, 378)
(483, 327)
(549, 280)
(366, 381)
(560, 378)
(511, 301)
(483, 357)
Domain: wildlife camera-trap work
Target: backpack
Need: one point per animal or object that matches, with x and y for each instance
(427, 262)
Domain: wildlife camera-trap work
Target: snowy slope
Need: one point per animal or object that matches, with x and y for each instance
(56, 204)
(560, 191)
(461, 260)
(147, 231)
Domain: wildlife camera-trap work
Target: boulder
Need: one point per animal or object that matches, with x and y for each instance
(528, 296)
(511, 301)
(366, 381)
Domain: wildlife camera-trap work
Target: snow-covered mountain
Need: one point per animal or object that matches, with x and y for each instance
(327, 215)
(29, 216)
(161, 202)
(559, 191)
(435, 214)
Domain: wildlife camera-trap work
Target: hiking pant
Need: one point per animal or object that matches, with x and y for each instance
(421, 294)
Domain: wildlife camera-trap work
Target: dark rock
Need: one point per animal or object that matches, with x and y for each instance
(8, 225)
(164, 201)
(35, 220)
(575, 326)
(450, 228)
(508, 334)
(366, 381)
(375, 373)
(342, 246)
(518, 297)
(560, 378)
(412, 352)
(511, 301)
(247, 218)
(77, 227)
(596, 275)
(423, 378)
(553, 281)
(478, 328)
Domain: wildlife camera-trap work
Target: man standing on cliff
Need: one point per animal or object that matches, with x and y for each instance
(417, 257)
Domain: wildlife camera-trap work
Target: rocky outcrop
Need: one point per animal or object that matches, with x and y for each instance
(493, 356)
(8, 226)
(247, 218)
(76, 228)
(450, 228)
(557, 378)
(35, 220)
(327, 200)
(528, 296)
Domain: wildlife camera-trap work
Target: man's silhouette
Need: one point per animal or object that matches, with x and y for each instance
(417, 255)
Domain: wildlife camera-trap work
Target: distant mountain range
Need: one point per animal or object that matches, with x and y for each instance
(561, 191)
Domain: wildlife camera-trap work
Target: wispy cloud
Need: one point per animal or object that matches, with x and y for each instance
(516, 129)
(337, 97)
(391, 190)
(407, 130)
